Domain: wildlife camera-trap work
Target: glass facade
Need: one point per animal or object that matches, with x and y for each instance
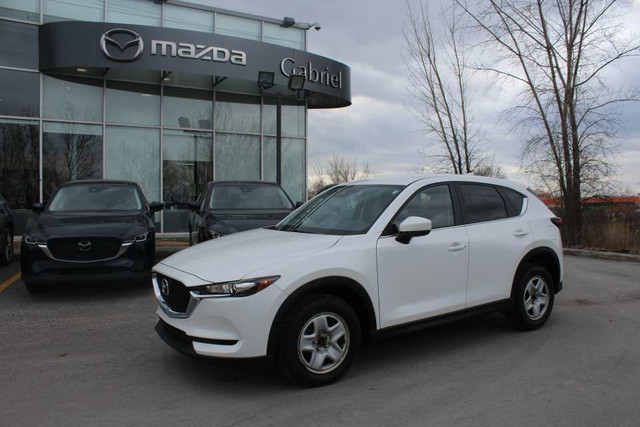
(172, 133)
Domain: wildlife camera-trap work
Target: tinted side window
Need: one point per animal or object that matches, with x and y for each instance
(515, 198)
(433, 203)
(482, 203)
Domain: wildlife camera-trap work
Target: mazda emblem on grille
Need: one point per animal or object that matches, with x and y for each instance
(84, 245)
(164, 287)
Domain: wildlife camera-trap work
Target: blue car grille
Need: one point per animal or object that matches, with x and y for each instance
(84, 249)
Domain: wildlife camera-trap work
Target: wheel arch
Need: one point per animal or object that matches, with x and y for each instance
(544, 257)
(342, 287)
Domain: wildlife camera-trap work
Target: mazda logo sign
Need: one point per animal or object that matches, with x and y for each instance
(121, 45)
(84, 245)
(164, 287)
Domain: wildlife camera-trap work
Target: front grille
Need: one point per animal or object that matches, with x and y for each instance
(177, 297)
(84, 249)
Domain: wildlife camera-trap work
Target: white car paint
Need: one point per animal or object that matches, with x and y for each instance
(449, 269)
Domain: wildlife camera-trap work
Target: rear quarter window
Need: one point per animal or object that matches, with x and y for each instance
(515, 198)
(482, 203)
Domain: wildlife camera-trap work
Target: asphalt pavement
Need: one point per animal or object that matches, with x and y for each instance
(89, 356)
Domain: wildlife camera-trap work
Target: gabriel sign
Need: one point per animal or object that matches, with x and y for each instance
(124, 45)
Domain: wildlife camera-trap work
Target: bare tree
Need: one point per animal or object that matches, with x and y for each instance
(436, 63)
(556, 52)
(338, 170)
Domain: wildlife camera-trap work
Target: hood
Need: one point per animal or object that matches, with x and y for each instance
(51, 225)
(233, 257)
(229, 222)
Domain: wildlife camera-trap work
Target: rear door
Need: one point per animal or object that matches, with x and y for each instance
(498, 236)
(427, 276)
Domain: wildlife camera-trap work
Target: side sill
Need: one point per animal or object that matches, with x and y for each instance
(442, 319)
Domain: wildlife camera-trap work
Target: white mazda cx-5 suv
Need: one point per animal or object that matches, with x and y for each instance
(363, 258)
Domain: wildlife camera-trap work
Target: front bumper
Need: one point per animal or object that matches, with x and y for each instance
(134, 264)
(225, 327)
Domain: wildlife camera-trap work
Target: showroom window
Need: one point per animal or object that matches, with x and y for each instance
(236, 26)
(237, 113)
(293, 118)
(19, 162)
(15, 36)
(70, 151)
(71, 98)
(187, 167)
(289, 37)
(237, 157)
(81, 10)
(133, 103)
(24, 10)
(187, 108)
(133, 154)
(19, 93)
(136, 12)
(293, 165)
(187, 19)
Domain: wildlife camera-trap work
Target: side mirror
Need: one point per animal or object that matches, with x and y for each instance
(411, 227)
(194, 206)
(298, 204)
(156, 206)
(37, 207)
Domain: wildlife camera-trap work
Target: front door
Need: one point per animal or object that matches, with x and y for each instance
(428, 276)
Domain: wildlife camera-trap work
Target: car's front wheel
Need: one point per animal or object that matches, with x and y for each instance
(533, 298)
(319, 339)
(6, 247)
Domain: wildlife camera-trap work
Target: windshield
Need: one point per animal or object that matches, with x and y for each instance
(99, 197)
(348, 209)
(248, 197)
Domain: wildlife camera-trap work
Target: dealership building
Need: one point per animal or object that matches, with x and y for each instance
(169, 94)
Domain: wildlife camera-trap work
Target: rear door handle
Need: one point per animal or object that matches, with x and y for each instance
(455, 247)
(520, 232)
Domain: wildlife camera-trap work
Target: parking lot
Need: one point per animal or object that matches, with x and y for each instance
(88, 355)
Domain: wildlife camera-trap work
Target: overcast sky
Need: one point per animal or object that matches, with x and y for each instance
(377, 128)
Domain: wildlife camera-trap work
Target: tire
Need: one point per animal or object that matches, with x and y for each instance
(36, 287)
(6, 247)
(533, 298)
(313, 321)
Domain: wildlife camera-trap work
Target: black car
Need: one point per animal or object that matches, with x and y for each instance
(90, 231)
(6, 233)
(226, 207)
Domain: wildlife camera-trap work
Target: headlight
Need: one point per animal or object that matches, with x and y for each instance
(212, 234)
(240, 288)
(33, 241)
(139, 238)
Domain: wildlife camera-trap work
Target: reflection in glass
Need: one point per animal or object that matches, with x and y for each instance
(187, 163)
(187, 108)
(237, 157)
(19, 162)
(19, 93)
(293, 165)
(133, 103)
(15, 36)
(236, 26)
(133, 154)
(70, 152)
(293, 118)
(24, 10)
(237, 113)
(187, 19)
(82, 10)
(71, 98)
(137, 12)
(289, 37)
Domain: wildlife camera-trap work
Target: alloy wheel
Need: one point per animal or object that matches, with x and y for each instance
(536, 298)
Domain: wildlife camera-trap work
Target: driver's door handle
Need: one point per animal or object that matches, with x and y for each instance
(456, 247)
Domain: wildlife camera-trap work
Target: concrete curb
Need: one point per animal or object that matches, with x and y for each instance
(614, 256)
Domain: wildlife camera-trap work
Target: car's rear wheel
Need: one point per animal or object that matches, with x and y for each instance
(533, 298)
(319, 339)
(6, 247)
